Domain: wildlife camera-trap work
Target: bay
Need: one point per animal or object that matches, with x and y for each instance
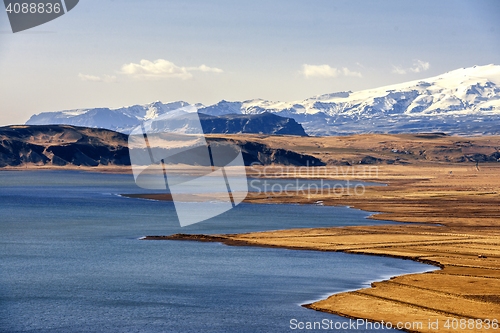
(71, 260)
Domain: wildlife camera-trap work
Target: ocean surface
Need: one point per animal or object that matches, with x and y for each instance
(71, 260)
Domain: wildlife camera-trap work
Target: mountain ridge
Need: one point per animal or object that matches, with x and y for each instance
(464, 101)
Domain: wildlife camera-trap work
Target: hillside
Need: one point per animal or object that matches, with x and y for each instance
(422, 148)
(59, 146)
(62, 146)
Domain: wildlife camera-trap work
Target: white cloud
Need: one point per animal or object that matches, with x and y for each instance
(205, 68)
(310, 71)
(85, 77)
(418, 66)
(319, 71)
(398, 70)
(348, 72)
(162, 68)
(94, 78)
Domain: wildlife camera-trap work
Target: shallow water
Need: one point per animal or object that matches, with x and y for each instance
(71, 261)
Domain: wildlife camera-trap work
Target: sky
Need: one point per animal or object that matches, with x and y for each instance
(112, 53)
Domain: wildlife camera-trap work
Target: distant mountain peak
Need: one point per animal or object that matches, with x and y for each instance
(461, 101)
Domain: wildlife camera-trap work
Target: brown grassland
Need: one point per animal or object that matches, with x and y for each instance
(434, 186)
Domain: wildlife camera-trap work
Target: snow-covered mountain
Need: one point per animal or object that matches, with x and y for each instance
(121, 120)
(463, 101)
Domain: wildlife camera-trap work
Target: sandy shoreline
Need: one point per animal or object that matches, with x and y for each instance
(463, 200)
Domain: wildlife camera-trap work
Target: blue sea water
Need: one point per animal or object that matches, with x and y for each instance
(71, 260)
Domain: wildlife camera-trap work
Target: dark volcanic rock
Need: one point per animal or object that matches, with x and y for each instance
(254, 152)
(61, 145)
(64, 145)
(264, 123)
(370, 160)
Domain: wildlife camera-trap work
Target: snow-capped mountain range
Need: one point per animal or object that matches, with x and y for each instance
(463, 101)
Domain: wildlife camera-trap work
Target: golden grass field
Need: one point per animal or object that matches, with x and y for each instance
(464, 199)
(466, 245)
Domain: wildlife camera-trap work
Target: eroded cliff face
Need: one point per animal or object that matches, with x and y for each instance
(62, 145)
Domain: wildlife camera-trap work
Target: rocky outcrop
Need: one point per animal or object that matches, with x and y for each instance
(265, 123)
(254, 152)
(63, 145)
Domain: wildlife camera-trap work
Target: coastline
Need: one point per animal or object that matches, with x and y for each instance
(462, 200)
(465, 245)
(97, 169)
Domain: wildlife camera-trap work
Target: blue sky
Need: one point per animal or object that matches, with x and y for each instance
(123, 52)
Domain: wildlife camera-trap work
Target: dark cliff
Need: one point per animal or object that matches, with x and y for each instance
(64, 145)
